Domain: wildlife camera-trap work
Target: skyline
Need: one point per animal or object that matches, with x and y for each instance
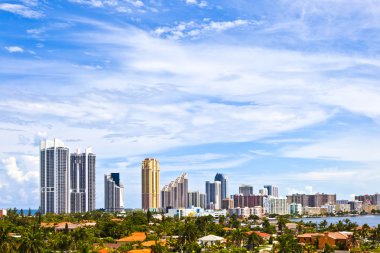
(283, 93)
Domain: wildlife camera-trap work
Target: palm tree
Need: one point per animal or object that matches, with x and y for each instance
(288, 244)
(32, 241)
(6, 242)
(237, 237)
(254, 240)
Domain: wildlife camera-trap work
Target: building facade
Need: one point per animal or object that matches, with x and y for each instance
(223, 184)
(54, 177)
(82, 181)
(113, 193)
(272, 190)
(150, 183)
(246, 190)
(175, 194)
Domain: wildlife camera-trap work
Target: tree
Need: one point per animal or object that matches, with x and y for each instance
(32, 241)
(7, 243)
(254, 240)
(288, 244)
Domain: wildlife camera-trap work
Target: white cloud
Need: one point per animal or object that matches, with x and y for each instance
(200, 4)
(194, 29)
(29, 173)
(14, 49)
(21, 10)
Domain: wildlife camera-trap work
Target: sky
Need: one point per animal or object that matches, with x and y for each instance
(267, 92)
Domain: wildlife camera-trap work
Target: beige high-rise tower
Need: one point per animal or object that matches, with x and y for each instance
(150, 183)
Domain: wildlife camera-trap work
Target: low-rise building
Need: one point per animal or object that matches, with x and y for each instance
(340, 240)
(295, 209)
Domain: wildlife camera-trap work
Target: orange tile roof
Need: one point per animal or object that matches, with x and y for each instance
(140, 251)
(337, 236)
(228, 229)
(103, 250)
(309, 235)
(135, 237)
(152, 243)
(261, 234)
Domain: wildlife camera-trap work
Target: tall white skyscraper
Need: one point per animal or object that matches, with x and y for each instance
(223, 179)
(82, 181)
(54, 177)
(67, 182)
(113, 193)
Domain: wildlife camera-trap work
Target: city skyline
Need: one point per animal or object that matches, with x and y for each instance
(281, 93)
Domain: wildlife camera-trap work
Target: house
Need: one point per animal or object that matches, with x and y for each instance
(210, 240)
(341, 240)
(265, 236)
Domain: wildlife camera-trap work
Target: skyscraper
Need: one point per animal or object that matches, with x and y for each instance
(113, 193)
(245, 189)
(194, 199)
(54, 177)
(223, 183)
(207, 194)
(82, 181)
(272, 190)
(175, 194)
(150, 183)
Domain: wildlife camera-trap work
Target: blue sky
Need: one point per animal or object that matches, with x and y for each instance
(267, 92)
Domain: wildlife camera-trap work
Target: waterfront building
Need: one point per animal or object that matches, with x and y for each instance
(295, 208)
(277, 205)
(356, 206)
(54, 177)
(312, 200)
(272, 190)
(194, 212)
(246, 190)
(330, 209)
(150, 184)
(113, 193)
(343, 207)
(82, 181)
(214, 195)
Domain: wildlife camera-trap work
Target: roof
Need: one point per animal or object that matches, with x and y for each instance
(135, 237)
(337, 235)
(104, 250)
(140, 251)
(308, 235)
(211, 238)
(152, 243)
(261, 234)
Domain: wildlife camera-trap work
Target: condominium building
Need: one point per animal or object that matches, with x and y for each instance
(312, 200)
(82, 181)
(175, 194)
(272, 190)
(113, 193)
(223, 184)
(277, 205)
(202, 198)
(150, 183)
(245, 189)
(194, 199)
(54, 177)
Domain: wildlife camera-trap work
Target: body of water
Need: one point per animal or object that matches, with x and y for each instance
(371, 220)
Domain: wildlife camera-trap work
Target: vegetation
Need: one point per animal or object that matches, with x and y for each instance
(30, 234)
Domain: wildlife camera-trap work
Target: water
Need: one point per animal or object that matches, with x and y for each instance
(371, 220)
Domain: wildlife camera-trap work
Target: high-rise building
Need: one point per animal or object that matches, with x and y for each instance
(272, 190)
(223, 184)
(113, 193)
(175, 194)
(150, 183)
(202, 198)
(263, 192)
(277, 205)
(245, 189)
(194, 199)
(54, 177)
(82, 181)
(216, 188)
(312, 200)
(208, 194)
